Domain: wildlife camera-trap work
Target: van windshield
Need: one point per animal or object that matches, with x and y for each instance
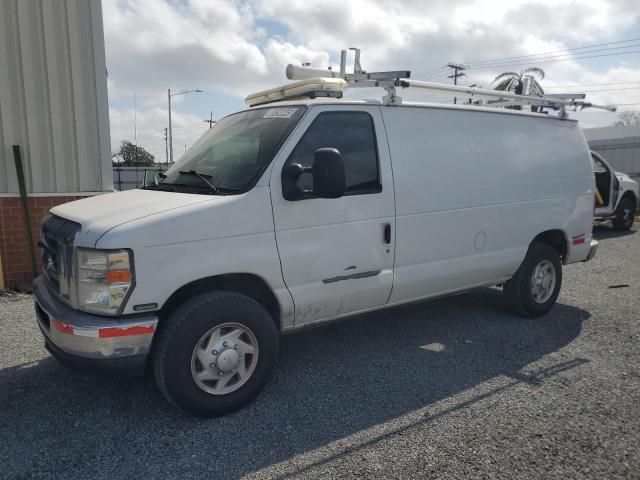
(231, 157)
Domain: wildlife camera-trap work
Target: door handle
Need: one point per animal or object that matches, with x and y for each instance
(387, 233)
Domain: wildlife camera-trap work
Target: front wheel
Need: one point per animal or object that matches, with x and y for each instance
(215, 353)
(624, 215)
(534, 288)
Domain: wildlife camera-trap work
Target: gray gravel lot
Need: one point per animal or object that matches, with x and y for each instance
(455, 388)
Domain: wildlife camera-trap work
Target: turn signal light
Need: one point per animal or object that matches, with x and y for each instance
(118, 276)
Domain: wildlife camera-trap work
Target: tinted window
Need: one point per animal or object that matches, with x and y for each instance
(352, 134)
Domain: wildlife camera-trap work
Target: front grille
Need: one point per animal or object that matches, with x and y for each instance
(58, 235)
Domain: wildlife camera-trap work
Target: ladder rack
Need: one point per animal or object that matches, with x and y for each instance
(313, 83)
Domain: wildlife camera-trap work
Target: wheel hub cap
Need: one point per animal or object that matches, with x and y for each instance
(228, 360)
(543, 281)
(224, 358)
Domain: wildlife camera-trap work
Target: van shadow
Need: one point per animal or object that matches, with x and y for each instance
(604, 232)
(330, 383)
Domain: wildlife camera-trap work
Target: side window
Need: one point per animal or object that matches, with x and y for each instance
(352, 134)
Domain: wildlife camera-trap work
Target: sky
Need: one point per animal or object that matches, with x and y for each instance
(231, 48)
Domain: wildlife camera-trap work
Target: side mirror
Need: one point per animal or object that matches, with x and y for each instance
(328, 173)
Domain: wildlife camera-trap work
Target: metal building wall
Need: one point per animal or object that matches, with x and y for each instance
(623, 154)
(619, 145)
(53, 96)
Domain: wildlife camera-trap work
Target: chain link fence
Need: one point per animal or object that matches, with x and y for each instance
(128, 178)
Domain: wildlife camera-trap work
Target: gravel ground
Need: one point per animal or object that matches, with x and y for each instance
(455, 388)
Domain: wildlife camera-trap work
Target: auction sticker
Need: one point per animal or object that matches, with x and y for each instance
(282, 112)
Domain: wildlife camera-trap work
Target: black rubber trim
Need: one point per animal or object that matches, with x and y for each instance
(372, 273)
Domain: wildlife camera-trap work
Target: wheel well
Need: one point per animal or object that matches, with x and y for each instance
(554, 238)
(631, 195)
(247, 284)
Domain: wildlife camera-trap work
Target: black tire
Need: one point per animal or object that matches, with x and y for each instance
(518, 290)
(625, 214)
(181, 333)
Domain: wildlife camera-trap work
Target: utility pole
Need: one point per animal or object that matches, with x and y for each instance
(135, 119)
(457, 68)
(170, 131)
(211, 121)
(169, 95)
(166, 147)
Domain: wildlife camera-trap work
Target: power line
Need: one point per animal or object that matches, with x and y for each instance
(531, 63)
(607, 90)
(591, 85)
(498, 59)
(537, 57)
(436, 71)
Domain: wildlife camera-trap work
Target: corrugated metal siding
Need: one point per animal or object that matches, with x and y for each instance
(53, 96)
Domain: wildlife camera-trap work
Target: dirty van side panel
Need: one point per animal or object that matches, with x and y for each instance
(191, 243)
(473, 188)
(335, 256)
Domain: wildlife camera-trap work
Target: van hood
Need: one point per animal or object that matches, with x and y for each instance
(99, 214)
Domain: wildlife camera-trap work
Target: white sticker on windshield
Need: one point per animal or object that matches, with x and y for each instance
(281, 112)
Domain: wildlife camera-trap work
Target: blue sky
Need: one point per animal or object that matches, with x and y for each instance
(230, 48)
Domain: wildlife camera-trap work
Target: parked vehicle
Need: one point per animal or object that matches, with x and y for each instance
(289, 215)
(617, 195)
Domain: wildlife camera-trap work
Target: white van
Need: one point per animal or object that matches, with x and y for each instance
(296, 213)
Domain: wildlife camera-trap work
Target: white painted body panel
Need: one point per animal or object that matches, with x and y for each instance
(179, 238)
(464, 189)
(461, 174)
(324, 239)
(627, 184)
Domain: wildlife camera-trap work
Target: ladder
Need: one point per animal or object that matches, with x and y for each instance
(391, 81)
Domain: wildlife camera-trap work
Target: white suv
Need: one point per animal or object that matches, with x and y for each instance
(618, 200)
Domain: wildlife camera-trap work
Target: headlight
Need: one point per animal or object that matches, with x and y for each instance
(104, 278)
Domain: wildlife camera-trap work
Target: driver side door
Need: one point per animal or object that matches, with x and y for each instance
(337, 254)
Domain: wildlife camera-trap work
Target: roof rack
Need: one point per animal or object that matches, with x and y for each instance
(313, 83)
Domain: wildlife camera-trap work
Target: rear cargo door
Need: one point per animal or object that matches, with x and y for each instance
(337, 254)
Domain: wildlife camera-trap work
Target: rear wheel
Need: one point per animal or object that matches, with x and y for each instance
(624, 215)
(215, 353)
(534, 288)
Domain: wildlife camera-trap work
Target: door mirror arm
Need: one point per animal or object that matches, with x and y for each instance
(290, 176)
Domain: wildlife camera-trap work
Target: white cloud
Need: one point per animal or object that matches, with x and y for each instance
(240, 46)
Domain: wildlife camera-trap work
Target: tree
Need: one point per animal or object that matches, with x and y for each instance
(131, 155)
(627, 118)
(514, 82)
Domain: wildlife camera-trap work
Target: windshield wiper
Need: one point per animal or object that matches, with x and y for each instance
(201, 177)
(160, 186)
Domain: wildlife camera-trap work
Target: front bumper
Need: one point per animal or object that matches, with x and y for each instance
(93, 342)
(593, 248)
